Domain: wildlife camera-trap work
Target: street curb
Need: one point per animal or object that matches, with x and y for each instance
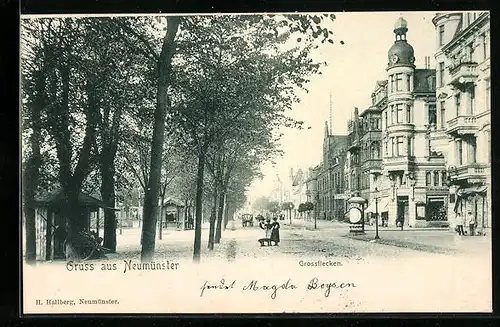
(405, 244)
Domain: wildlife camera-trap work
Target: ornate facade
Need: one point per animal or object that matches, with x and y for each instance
(463, 96)
(414, 184)
(423, 148)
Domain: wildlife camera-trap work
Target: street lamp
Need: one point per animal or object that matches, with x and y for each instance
(376, 213)
(316, 209)
(290, 207)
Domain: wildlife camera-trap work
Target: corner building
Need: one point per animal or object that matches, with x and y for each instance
(463, 95)
(413, 187)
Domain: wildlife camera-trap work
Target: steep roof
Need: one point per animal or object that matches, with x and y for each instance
(298, 178)
(170, 201)
(57, 197)
(422, 80)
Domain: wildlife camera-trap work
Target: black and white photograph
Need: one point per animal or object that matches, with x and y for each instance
(256, 163)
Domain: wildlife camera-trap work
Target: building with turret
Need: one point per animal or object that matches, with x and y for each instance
(413, 190)
(463, 101)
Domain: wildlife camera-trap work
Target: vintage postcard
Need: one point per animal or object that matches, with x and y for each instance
(256, 163)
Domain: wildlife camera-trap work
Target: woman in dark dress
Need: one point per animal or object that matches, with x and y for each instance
(275, 231)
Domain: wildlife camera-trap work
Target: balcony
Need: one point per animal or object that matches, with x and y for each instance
(374, 165)
(463, 73)
(462, 125)
(353, 144)
(401, 128)
(402, 163)
(472, 173)
(373, 135)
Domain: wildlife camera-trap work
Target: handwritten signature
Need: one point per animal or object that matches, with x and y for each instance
(255, 285)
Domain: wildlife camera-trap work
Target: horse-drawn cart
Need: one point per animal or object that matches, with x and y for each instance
(247, 220)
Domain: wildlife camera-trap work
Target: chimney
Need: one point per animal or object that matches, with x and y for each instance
(427, 62)
(356, 113)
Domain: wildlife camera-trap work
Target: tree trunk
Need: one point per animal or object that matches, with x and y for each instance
(186, 208)
(229, 213)
(153, 190)
(220, 213)
(108, 195)
(76, 217)
(160, 218)
(30, 183)
(31, 174)
(213, 217)
(76, 222)
(226, 213)
(198, 206)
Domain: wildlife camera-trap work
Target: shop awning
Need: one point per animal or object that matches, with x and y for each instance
(472, 190)
(381, 206)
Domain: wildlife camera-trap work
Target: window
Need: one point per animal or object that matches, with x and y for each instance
(443, 114)
(472, 99)
(441, 35)
(391, 78)
(399, 82)
(488, 139)
(427, 178)
(429, 148)
(469, 52)
(459, 152)
(400, 150)
(472, 150)
(408, 77)
(386, 149)
(399, 113)
(432, 114)
(410, 146)
(457, 103)
(436, 178)
(441, 74)
(484, 46)
(392, 115)
(408, 114)
(487, 93)
(431, 81)
(393, 148)
(385, 118)
(443, 178)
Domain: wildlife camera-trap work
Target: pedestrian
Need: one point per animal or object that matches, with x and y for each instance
(472, 223)
(460, 224)
(400, 222)
(275, 232)
(266, 226)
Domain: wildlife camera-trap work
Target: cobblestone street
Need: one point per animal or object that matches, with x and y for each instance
(301, 240)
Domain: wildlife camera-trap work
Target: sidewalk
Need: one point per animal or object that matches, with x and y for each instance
(429, 241)
(436, 240)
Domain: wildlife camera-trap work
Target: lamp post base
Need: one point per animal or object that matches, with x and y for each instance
(356, 229)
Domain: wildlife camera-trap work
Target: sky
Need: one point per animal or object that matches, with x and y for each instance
(350, 76)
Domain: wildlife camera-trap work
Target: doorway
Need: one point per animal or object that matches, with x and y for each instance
(402, 214)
